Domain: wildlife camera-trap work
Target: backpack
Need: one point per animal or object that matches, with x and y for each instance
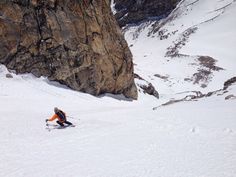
(61, 115)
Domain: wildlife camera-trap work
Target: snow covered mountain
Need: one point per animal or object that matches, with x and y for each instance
(192, 49)
(190, 131)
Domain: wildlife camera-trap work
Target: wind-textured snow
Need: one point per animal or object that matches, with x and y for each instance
(115, 137)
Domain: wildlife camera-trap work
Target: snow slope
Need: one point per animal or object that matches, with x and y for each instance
(115, 137)
(112, 137)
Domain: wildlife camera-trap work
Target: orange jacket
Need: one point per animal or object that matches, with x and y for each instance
(55, 116)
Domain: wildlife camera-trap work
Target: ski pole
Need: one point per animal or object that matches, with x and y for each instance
(73, 118)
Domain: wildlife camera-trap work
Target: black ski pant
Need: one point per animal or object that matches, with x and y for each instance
(62, 124)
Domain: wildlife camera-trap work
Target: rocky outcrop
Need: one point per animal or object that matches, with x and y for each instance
(133, 11)
(145, 86)
(229, 82)
(230, 97)
(74, 42)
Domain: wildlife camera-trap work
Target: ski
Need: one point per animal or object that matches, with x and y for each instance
(50, 127)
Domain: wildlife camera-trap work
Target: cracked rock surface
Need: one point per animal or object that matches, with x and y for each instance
(75, 42)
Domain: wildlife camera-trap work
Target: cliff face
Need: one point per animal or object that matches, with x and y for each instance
(75, 42)
(134, 11)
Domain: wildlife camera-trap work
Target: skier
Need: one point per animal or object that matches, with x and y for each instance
(61, 116)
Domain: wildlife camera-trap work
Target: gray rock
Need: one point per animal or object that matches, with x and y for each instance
(135, 11)
(8, 75)
(147, 87)
(150, 89)
(230, 97)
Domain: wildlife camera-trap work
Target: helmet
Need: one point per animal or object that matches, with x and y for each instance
(56, 110)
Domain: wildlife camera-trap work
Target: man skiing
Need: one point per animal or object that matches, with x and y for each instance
(61, 116)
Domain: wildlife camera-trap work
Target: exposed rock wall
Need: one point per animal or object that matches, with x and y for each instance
(75, 42)
(134, 11)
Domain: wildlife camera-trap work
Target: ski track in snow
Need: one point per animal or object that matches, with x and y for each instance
(118, 138)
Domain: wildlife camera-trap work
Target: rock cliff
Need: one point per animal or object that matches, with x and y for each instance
(75, 42)
(134, 11)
